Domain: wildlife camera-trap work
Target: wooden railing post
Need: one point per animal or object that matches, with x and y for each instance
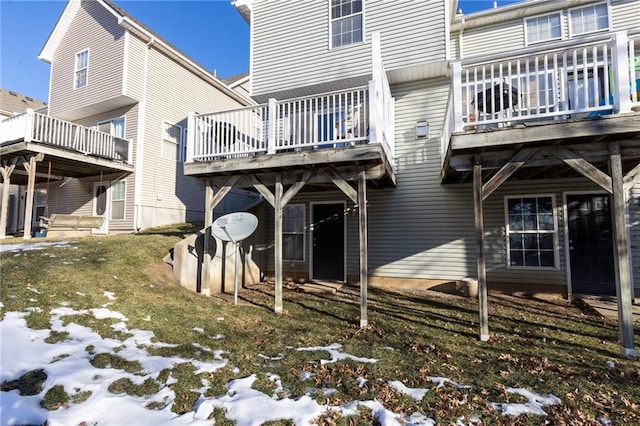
(622, 95)
(28, 131)
(271, 126)
(456, 83)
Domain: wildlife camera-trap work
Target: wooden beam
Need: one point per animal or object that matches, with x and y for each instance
(506, 171)
(364, 271)
(277, 256)
(342, 184)
(582, 166)
(4, 210)
(296, 187)
(480, 261)
(224, 190)
(262, 189)
(623, 275)
(28, 209)
(631, 178)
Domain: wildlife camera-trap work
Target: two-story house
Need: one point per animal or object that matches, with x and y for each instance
(401, 143)
(112, 143)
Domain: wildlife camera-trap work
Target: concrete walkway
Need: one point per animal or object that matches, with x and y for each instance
(608, 308)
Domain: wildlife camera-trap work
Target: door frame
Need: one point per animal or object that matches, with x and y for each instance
(107, 212)
(344, 236)
(567, 255)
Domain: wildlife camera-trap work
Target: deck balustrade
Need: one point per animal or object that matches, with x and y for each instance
(35, 127)
(589, 77)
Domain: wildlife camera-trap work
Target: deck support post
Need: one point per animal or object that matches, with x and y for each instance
(482, 272)
(6, 172)
(277, 255)
(28, 209)
(364, 272)
(623, 272)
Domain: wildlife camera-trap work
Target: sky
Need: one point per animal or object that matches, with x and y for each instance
(67, 363)
(211, 32)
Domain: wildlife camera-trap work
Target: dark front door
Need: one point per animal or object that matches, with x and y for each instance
(591, 244)
(328, 242)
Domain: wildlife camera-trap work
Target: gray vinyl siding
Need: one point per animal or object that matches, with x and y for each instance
(172, 92)
(133, 79)
(625, 14)
(496, 38)
(93, 28)
(290, 52)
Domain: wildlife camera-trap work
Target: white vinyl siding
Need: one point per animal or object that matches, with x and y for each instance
(531, 231)
(588, 19)
(118, 196)
(347, 22)
(293, 232)
(543, 28)
(171, 141)
(81, 69)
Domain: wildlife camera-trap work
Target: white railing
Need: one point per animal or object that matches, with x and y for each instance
(586, 78)
(634, 66)
(35, 127)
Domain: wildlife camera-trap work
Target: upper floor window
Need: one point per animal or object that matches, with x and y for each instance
(531, 231)
(171, 141)
(81, 68)
(589, 19)
(543, 28)
(346, 22)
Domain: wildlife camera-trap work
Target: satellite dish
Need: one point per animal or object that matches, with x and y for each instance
(234, 227)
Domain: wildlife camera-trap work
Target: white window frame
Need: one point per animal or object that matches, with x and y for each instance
(123, 200)
(527, 23)
(573, 33)
(77, 69)
(344, 18)
(303, 232)
(178, 153)
(112, 128)
(554, 232)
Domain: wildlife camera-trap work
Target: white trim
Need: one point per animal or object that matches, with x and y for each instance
(344, 235)
(526, 28)
(304, 232)
(556, 249)
(76, 69)
(594, 5)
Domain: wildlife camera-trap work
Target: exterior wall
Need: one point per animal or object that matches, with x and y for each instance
(634, 237)
(93, 28)
(289, 52)
(171, 93)
(133, 85)
(510, 35)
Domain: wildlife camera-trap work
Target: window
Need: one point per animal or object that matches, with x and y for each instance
(531, 231)
(81, 68)
(589, 19)
(543, 28)
(346, 22)
(118, 190)
(293, 232)
(171, 141)
(114, 127)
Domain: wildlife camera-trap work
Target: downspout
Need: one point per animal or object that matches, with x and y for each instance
(137, 203)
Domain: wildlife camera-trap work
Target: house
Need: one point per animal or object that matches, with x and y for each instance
(112, 142)
(12, 104)
(500, 145)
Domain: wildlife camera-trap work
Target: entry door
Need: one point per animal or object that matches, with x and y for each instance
(101, 205)
(328, 241)
(591, 244)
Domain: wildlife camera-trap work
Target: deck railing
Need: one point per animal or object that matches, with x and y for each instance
(35, 127)
(339, 119)
(585, 78)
